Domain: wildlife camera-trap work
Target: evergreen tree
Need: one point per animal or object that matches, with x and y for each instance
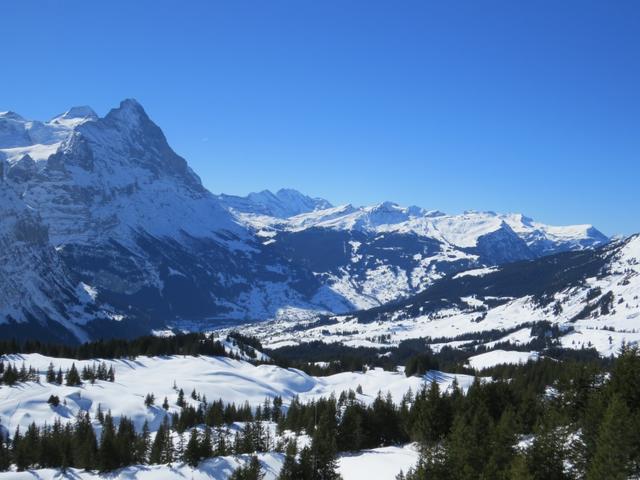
(250, 471)
(206, 445)
(180, 401)
(157, 448)
(73, 378)
(502, 442)
(545, 457)
(108, 457)
(613, 455)
(51, 374)
(290, 468)
(192, 451)
(324, 448)
(85, 447)
(143, 444)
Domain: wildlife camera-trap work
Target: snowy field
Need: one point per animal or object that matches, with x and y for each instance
(215, 377)
(500, 357)
(376, 464)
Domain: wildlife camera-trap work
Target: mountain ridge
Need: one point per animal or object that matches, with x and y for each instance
(131, 221)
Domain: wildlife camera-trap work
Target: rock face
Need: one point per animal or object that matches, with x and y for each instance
(107, 231)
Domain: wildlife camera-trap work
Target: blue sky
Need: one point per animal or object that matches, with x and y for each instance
(487, 105)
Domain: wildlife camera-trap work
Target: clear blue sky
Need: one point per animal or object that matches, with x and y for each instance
(487, 105)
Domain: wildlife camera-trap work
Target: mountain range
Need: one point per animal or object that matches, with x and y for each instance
(106, 231)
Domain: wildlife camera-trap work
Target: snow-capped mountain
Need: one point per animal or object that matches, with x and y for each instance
(376, 254)
(284, 203)
(130, 233)
(461, 231)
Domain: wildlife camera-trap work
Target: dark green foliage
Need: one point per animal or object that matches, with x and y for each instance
(613, 454)
(181, 344)
(586, 427)
(98, 371)
(10, 374)
(192, 452)
(250, 471)
(73, 378)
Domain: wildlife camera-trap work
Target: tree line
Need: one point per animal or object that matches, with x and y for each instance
(550, 420)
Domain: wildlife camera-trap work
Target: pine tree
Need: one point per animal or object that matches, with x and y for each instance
(250, 471)
(519, 469)
(73, 378)
(290, 469)
(143, 444)
(108, 457)
(85, 447)
(206, 445)
(545, 457)
(157, 447)
(502, 441)
(192, 451)
(468, 447)
(100, 414)
(612, 458)
(324, 448)
(51, 374)
(5, 457)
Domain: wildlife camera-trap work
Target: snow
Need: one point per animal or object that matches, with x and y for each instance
(216, 468)
(375, 464)
(379, 463)
(501, 357)
(37, 152)
(461, 231)
(216, 377)
(606, 332)
(283, 204)
(476, 272)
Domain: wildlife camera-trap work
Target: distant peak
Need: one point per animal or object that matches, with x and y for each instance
(130, 104)
(79, 112)
(387, 205)
(75, 116)
(289, 191)
(11, 116)
(129, 112)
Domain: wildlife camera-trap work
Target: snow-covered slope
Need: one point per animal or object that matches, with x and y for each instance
(284, 203)
(463, 231)
(35, 284)
(215, 377)
(376, 464)
(593, 296)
